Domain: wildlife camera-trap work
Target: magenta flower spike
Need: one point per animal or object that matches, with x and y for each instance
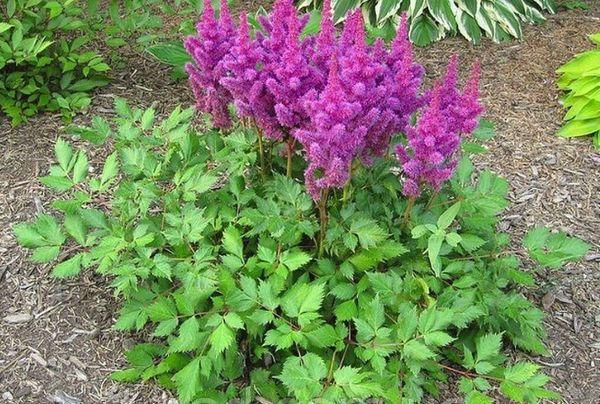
(292, 78)
(430, 157)
(276, 26)
(363, 79)
(354, 30)
(406, 77)
(241, 65)
(326, 41)
(272, 46)
(450, 94)
(225, 18)
(208, 49)
(470, 108)
(332, 140)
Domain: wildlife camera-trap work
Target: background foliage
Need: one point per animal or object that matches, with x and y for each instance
(43, 62)
(432, 20)
(580, 79)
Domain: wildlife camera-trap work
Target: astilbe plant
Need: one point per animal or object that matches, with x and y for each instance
(286, 85)
(216, 261)
(255, 289)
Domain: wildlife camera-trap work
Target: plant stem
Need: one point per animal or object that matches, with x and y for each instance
(330, 373)
(290, 154)
(323, 220)
(261, 152)
(469, 374)
(433, 198)
(408, 211)
(345, 193)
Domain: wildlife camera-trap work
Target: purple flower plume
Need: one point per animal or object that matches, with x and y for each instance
(429, 158)
(404, 79)
(362, 78)
(208, 48)
(431, 155)
(340, 98)
(332, 141)
(241, 65)
(461, 109)
(292, 77)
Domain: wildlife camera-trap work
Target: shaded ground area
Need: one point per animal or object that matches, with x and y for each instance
(58, 342)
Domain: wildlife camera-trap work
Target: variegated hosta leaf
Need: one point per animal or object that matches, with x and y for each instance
(468, 27)
(416, 8)
(443, 13)
(431, 20)
(424, 31)
(341, 8)
(470, 6)
(385, 9)
(507, 17)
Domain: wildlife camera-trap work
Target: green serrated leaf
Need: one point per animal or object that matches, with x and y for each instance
(553, 250)
(302, 376)
(221, 338)
(416, 350)
(187, 381)
(80, 169)
(189, 336)
(368, 232)
(70, 267)
(295, 259)
(446, 218)
(232, 242)
(488, 346)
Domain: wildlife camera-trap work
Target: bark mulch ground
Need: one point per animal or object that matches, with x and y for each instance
(59, 347)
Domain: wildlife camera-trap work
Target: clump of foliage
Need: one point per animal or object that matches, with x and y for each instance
(125, 21)
(574, 5)
(140, 22)
(431, 21)
(43, 63)
(580, 79)
(251, 286)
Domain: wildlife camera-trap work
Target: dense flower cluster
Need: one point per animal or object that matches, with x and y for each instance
(208, 50)
(430, 157)
(340, 98)
(333, 137)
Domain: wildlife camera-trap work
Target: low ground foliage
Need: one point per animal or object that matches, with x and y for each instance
(220, 264)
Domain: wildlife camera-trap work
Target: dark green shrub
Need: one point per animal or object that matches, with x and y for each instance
(43, 62)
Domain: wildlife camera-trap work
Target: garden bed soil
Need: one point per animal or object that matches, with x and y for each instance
(56, 342)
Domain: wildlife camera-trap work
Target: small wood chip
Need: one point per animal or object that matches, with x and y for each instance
(36, 357)
(60, 397)
(75, 361)
(18, 318)
(548, 300)
(80, 375)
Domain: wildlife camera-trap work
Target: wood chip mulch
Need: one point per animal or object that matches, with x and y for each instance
(56, 342)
